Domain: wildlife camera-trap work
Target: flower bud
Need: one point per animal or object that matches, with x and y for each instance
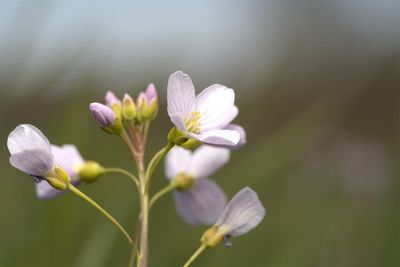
(106, 118)
(90, 171)
(103, 115)
(147, 104)
(114, 103)
(128, 108)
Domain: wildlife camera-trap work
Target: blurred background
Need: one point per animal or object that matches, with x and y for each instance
(317, 84)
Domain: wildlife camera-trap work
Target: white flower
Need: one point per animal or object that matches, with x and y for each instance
(200, 201)
(206, 116)
(243, 213)
(69, 159)
(30, 151)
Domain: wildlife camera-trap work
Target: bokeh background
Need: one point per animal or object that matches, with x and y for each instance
(317, 84)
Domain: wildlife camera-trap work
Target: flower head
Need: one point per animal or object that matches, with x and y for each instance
(30, 151)
(68, 158)
(198, 200)
(243, 213)
(203, 117)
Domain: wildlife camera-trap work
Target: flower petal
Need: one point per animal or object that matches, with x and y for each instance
(218, 137)
(216, 107)
(33, 162)
(208, 159)
(67, 157)
(177, 161)
(202, 204)
(27, 137)
(243, 213)
(179, 123)
(242, 134)
(180, 94)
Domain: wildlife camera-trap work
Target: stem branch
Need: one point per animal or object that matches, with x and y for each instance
(169, 188)
(91, 202)
(124, 172)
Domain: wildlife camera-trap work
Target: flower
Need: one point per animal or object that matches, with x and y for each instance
(103, 115)
(30, 151)
(243, 213)
(198, 200)
(203, 117)
(68, 158)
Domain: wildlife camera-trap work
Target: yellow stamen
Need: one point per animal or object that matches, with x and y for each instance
(192, 123)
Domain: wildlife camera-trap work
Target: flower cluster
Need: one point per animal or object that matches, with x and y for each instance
(198, 144)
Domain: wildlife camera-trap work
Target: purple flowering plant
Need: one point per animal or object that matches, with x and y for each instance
(199, 143)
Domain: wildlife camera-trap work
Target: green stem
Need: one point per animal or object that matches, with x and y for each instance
(156, 160)
(162, 192)
(129, 143)
(195, 255)
(134, 251)
(124, 172)
(144, 232)
(77, 192)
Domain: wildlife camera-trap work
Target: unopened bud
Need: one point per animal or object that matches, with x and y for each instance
(90, 171)
(106, 118)
(147, 104)
(103, 115)
(128, 108)
(114, 103)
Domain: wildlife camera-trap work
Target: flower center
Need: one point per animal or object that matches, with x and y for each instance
(192, 122)
(183, 181)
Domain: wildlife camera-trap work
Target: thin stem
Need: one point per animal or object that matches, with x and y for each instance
(145, 134)
(169, 188)
(144, 232)
(134, 251)
(195, 255)
(129, 143)
(124, 172)
(91, 202)
(156, 160)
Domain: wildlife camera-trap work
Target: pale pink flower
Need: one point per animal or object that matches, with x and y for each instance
(204, 201)
(203, 117)
(69, 159)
